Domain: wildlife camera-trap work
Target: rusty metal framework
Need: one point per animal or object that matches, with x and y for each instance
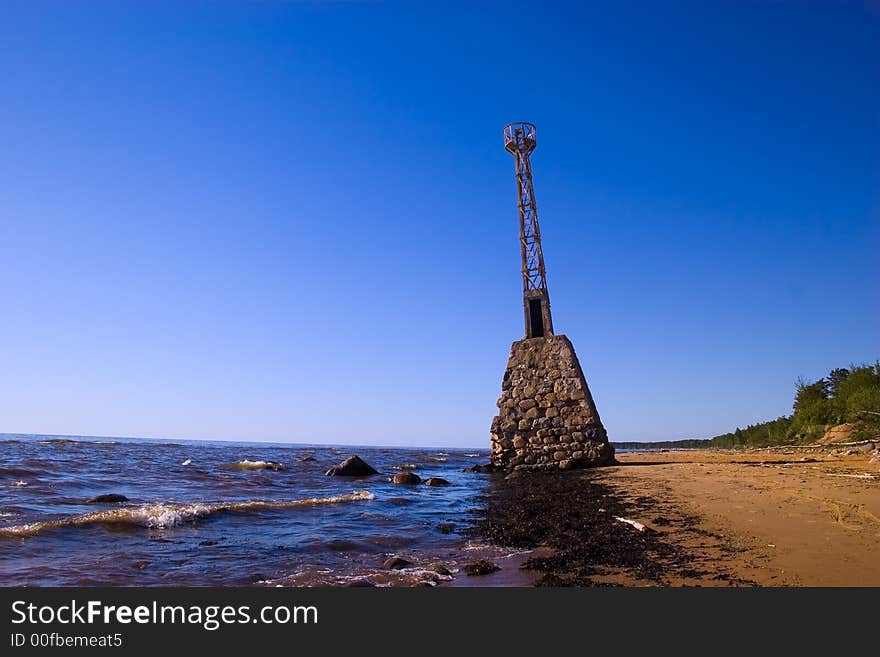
(520, 141)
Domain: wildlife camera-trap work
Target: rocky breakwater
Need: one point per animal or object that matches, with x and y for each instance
(546, 415)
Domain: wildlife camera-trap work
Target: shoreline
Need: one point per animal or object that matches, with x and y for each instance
(780, 516)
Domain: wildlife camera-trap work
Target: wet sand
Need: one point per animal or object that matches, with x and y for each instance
(764, 517)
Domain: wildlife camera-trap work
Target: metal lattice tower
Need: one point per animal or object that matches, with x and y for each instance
(520, 141)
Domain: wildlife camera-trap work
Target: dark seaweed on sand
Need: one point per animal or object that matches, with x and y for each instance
(575, 515)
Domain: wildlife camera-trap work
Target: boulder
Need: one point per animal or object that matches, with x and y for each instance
(305, 459)
(480, 567)
(436, 481)
(440, 569)
(396, 563)
(353, 466)
(111, 498)
(406, 478)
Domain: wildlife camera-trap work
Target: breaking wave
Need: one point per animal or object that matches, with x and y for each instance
(160, 516)
(247, 464)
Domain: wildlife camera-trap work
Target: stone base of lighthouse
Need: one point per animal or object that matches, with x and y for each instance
(546, 415)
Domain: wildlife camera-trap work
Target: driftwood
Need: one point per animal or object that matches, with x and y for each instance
(633, 523)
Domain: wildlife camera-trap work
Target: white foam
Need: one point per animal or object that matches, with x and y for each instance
(162, 516)
(247, 464)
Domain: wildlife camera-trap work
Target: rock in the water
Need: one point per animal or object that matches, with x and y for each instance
(446, 527)
(436, 481)
(440, 569)
(361, 584)
(480, 567)
(396, 563)
(112, 498)
(342, 545)
(353, 466)
(305, 459)
(406, 478)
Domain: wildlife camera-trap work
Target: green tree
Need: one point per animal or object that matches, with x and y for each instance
(835, 378)
(809, 394)
(847, 395)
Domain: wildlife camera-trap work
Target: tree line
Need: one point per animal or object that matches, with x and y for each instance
(846, 395)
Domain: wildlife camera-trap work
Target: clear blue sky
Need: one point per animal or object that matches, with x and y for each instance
(296, 221)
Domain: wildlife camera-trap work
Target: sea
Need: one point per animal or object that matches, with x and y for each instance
(202, 513)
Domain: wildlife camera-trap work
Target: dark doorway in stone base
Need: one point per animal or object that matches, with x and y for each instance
(536, 318)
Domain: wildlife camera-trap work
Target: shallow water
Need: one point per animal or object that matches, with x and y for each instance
(230, 516)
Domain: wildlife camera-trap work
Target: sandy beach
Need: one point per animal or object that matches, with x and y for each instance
(782, 516)
(805, 516)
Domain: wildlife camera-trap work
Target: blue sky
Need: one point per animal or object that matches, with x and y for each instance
(296, 221)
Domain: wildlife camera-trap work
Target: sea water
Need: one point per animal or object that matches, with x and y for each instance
(220, 513)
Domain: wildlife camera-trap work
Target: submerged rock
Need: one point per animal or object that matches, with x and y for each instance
(111, 498)
(406, 478)
(436, 481)
(480, 567)
(254, 465)
(342, 545)
(353, 466)
(306, 458)
(396, 563)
